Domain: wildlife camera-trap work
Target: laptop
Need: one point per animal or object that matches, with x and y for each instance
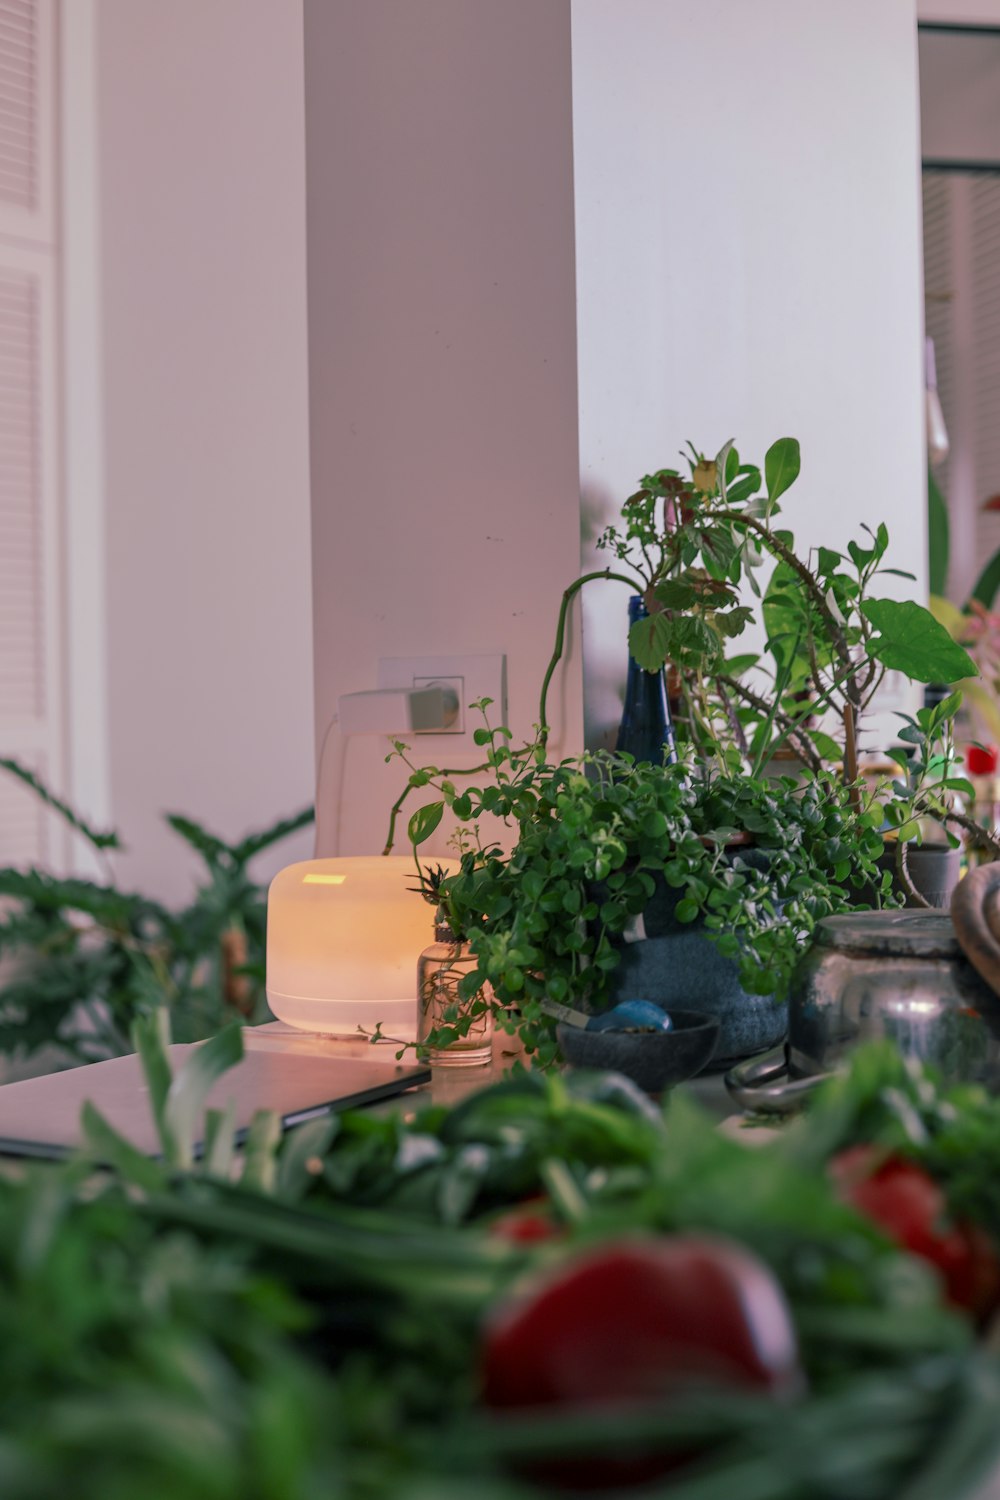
(298, 1076)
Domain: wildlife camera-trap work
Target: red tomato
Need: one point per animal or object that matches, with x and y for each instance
(906, 1202)
(635, 1320)
(528, 1224)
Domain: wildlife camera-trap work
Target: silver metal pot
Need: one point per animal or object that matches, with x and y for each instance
(902, 975)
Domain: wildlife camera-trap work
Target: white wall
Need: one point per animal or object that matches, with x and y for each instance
(207, 500)
(442, 351)
(748, 262)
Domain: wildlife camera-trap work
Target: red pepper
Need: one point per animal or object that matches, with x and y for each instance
(637, 1320)
(529, 1223)
(907, 1203)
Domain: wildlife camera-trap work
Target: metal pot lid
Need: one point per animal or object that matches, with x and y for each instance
(896, 934)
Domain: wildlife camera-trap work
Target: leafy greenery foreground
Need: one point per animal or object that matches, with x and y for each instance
(305, 1320)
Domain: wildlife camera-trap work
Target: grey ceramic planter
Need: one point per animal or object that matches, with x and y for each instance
(676, 964)
(934, 871)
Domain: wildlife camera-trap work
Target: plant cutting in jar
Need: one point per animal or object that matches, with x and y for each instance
(597, 834)
(453, 1028)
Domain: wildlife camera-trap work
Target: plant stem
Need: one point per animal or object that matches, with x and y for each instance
(568, 596)
(913, 896)
(851, 756)
(978, 835)
(397, 806)
(789, 729)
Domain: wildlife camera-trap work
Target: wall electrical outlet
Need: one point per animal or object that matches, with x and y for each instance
(453, 693)
(463, 679)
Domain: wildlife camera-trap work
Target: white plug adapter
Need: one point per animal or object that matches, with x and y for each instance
(392, 711)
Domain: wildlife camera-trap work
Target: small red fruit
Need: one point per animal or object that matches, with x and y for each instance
(906, 1202)
(638, 1320)
(530, 1223)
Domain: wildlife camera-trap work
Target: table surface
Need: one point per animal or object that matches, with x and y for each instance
(450, 1084)
(122, 1097)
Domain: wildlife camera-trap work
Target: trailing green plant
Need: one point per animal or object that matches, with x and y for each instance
(596, 834)
(82, 959)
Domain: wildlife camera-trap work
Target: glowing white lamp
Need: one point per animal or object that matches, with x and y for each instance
(343, 939)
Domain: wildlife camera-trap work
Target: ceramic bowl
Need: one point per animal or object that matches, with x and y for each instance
(655, 1060)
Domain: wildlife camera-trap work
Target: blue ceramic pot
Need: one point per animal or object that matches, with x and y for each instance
(675, 964)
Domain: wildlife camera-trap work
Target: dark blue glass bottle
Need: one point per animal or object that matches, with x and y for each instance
(646, 731)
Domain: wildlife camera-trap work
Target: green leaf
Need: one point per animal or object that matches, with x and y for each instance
(735, 666)
(744, 488)
(107, 906)
(988, 582)
(254, 843)
(106, 1146)
(675, 593)
(187, 1094)
(212, 850)
(938, 532)
(732, 466)
(693, 644)
(911, 641)
(648, 641)
(151, 1039)
(303, 1148)
(260, 1166)
(98, 840)
(733, 622)
(781, 466)
(718, 548)
(424, 821)
(219, 1148)
(826, 745)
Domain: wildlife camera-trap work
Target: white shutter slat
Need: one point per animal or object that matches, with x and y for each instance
(30, 622)
(19, 103)
(22, 645)
(27, 134)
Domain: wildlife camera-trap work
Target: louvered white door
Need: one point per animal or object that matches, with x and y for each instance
(938, 288)
(984, 272)
(962, 283)
(30, 624)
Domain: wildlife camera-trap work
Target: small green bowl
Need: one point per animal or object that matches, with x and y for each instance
(655, 1060)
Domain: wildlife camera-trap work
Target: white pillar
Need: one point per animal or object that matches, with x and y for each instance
(442, 353)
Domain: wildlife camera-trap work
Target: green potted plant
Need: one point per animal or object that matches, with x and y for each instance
(81, 959)
(600, 837)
